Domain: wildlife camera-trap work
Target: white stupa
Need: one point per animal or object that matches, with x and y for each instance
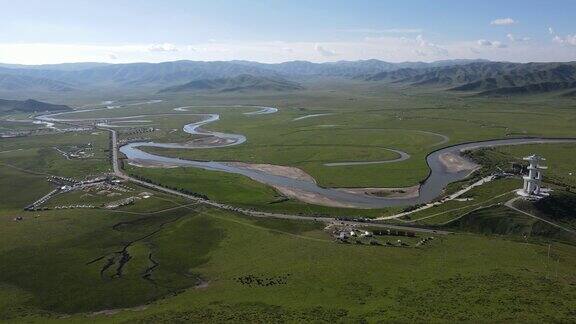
(532, 181)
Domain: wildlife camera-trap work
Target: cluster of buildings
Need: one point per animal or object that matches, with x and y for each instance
(77, 152)
(64, 185)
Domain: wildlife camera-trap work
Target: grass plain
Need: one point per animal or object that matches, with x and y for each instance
(174, 262)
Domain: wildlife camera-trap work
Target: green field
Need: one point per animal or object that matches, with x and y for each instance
(359, 129)
(165, 259)
(502, 278)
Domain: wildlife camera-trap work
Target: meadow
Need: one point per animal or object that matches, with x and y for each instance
(217, 266)
(164, 259)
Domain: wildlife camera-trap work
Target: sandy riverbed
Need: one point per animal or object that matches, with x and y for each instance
(454, 163)
(310, 197)
(279, 170)
(150, 164)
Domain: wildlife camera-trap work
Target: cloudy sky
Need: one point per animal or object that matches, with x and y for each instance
(119, 31)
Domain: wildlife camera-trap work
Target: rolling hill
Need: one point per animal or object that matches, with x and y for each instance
(166, 74)
(478, 77)
(11, 82)
(29, 106)
(142, 74)
(489, 78)
(244, 82)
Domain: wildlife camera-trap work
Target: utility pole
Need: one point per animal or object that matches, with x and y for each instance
(548, 261)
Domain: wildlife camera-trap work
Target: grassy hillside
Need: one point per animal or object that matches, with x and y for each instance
(29, 106)
(91, 75)
(206, 258)
(489, 78)
(10, 82)
(244, 82)
(500, 220)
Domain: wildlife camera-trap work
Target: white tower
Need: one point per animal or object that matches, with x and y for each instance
(532, 182)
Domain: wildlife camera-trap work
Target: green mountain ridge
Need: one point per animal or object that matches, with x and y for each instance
(244, 82)
(489, 78)
(166, 74)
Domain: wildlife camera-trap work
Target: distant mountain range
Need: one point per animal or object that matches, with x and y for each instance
(345, 68)
(489, 78)
(161, 75)
(243, 82)
(29, 106)
(474, 76)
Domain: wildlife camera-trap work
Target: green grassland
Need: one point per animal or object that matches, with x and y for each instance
(364, 120)
(11, 125)
(500, 220)
(313, 278)
(166, 260)
(560, 160)
(38, 154)
(309, 277)
(362, 129)
(241, 191)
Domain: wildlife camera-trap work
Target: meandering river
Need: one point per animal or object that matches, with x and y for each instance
(439, 176)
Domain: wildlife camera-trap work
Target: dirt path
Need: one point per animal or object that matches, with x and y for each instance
(459, 208)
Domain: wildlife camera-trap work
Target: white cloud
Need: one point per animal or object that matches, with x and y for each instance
(558, 39)
(513, 38)
(166, 47)
(427, 47)
(385, 31)
(324, 52)
(498, 44)
(483, 42)
(563, 40)
(487, 43)
(503, 22)
(384, 47)
(566, 40)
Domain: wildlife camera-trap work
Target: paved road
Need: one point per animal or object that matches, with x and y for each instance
(438, 203)
(120, 174)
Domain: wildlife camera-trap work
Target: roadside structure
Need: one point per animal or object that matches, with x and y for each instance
(532, 188)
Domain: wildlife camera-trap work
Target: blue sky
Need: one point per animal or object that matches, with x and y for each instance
(34, 32)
